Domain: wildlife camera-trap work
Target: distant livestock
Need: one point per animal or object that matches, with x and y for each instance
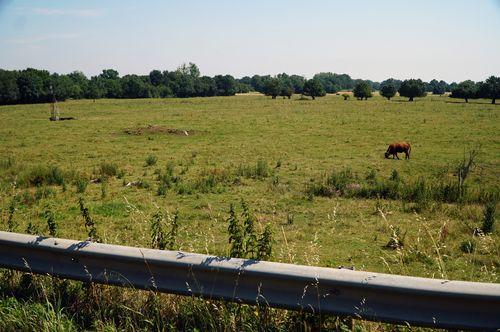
(398, 147)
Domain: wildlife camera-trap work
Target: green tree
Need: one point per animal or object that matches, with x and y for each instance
(362, 90)
(412, 88)
(272, 87)
(9, 92)
(388, 91)
(490, 89)
(465, 90)
(313, 88)
(156, 77)
(226, 85)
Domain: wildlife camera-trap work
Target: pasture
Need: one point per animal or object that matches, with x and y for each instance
(295, 141)
(269, 153)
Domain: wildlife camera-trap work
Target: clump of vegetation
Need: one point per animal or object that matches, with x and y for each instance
(107, 169)
(259, 171)
(11, 223)
(346, 96)
(43, 175)
(160, 237)
(468, 246)
(89, 223)
(243, 238)
(396, 241)
(489, 217)
(51, 221)
(151, 160)
(81, 185)
(43, 192)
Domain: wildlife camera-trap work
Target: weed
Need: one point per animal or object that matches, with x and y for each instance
(235, 234)
(151, 160)
(468, 246)
(107, 169)
(249, 236)
(51, 221)
(43, 175)
(89, 223)
(265, 244)
(11, 222)
(489, 217)
(81, 185)
(104, 189)
(158, 234)
(396, 240)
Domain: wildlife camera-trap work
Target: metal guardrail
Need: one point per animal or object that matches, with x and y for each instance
(366, 295)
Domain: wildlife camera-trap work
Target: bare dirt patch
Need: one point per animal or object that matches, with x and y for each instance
(154, 129)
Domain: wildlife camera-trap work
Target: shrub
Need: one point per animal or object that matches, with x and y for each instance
(151, 160)
(51, 221)
(489, 217)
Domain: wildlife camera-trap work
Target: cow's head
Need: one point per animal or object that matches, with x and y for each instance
(386, 154)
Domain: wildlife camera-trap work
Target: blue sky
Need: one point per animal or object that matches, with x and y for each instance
(452, 40)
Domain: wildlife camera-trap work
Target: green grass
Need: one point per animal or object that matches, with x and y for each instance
(267, 152)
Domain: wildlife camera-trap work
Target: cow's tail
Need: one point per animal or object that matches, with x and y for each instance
(409, 150)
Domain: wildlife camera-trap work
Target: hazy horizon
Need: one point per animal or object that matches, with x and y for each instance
(448, 40)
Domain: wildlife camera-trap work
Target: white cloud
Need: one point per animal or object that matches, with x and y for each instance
(42, 38)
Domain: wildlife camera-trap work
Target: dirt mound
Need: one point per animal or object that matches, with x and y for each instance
(153, 129)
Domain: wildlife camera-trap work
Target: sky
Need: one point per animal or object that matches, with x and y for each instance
(451, 40)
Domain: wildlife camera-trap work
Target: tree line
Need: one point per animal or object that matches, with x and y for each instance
(38, 86)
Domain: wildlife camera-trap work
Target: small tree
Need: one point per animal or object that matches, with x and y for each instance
(412, 88)
(362, 90)
(345, 96)
(313, 89)
(388, 91)
(466, 90)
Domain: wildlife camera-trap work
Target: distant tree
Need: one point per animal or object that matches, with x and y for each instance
(490, 89)
(9, 92)
(226, 85)
(205, 87)
(388, 91)
(134, 87)
(437, 87)
(297, 83)
(465, 90)
(362, 90)
(156, 77)
(246, 80)
(80, 84)
(94, 89)
(412, 88)
(392, 81)
(313, 88)
(34, 86)
(286, 91)
(109, 74)
(272, 87)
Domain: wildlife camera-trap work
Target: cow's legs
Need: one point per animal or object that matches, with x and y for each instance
(397, 156)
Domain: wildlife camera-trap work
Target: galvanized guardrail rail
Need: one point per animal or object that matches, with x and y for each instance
(366, 295)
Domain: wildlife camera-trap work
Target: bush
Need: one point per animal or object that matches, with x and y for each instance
(151, 160)
(43, 175)
(489, 217)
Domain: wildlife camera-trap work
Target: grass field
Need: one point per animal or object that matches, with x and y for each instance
(268, 153)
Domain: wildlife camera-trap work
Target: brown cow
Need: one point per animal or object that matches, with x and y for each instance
(398, 147)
